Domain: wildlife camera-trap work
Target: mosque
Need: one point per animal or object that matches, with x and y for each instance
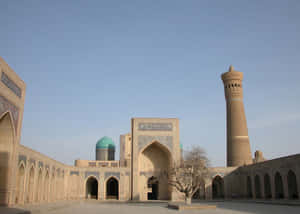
(151, 146)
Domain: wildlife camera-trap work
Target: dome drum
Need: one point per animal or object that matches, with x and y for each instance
(105, 149)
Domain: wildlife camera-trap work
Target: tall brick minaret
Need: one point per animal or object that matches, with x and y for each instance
(238, 146)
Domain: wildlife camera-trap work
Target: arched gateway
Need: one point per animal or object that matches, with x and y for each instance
(112, 189)
(92, 188)
(154, 160)
(6, 150)
(218, 187)
(152, 188)
(292, 185)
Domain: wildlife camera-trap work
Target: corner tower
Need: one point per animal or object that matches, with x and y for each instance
(238, 146)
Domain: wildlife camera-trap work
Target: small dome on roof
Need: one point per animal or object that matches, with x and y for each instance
(105, 143)
(181, 146)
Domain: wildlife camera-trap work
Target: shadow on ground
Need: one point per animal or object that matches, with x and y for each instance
(257, 208)
(8, 210)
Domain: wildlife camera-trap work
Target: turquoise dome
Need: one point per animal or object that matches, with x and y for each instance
(181, 146)
(105, 143)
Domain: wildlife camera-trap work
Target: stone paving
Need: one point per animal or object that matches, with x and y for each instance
(95, 207)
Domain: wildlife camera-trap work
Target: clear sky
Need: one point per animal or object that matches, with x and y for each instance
(90, 66)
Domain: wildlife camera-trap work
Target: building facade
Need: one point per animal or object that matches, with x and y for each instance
(152, 145)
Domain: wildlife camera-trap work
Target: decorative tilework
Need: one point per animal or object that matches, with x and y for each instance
(11, 85)
(109, 174)
(143, 140)
(92, 163)
(74, 173)
(41, 164)
(114, 164)
(31, 161)
(22, 158)
(5, 106)
(155, 126)
(147, 174)
(103, 164)
(96, 174)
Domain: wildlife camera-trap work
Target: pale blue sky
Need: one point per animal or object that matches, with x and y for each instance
(90, 66)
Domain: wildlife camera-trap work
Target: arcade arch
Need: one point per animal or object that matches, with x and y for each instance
(53, 187)
(218, 187)
(29, 197)
(152, 184)
(6, 153)
(155, 159)
(257, 186)
(112, 188)
(91, 188)
(20, 184)
(267, 185)
(278, 186)
(46, 186)
(39, 189)
(249, 187)
(292, 185)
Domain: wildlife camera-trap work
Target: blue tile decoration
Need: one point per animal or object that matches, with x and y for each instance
(144, 140)
(6, 106)
(11, 85)
(109, 174)
(155, 126)
(22, 158)
(74, 173)
(89, 173)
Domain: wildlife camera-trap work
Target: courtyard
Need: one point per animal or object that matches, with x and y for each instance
(91, 207)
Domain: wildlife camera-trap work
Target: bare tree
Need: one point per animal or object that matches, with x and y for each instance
(190, 175)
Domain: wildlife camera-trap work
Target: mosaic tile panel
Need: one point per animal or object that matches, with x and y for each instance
(155, 126)
(5, 106)
(11, 85)
(109, 174)
(41, 165)
(22, 158)
(32, 161)
(74, 173)
(96, 174)
(144, 140)
(146, 174)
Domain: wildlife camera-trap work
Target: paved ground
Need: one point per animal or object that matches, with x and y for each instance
(93, 207)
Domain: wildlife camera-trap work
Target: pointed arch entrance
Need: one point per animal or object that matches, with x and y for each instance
(6, 153)
(267, 184)
(153, 186)
(29, 197)
(39, 189)
(278, 186)
(91, 188)
(154, 160)
(112, 188)
(257, 186)
(46, 186)
(20, 184)
(218, 187)
(292, 185)
(52, 187)
(249, 187)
